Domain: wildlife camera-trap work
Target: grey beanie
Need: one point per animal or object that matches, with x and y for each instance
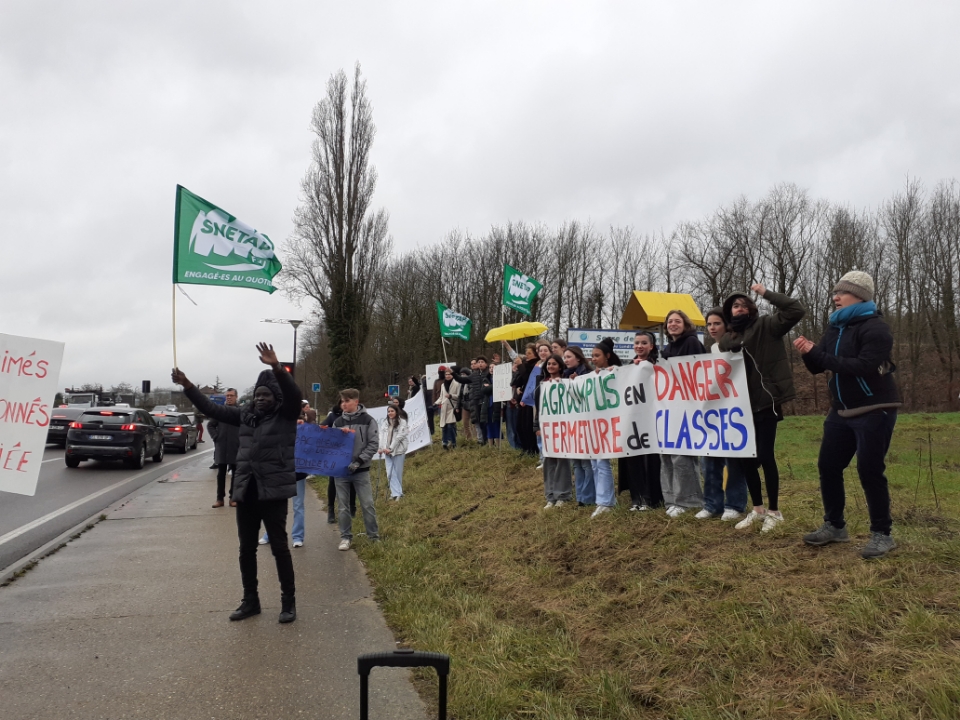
(856, 283)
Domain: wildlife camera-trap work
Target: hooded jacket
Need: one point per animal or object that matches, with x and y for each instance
(858, 356)
(267, 441)
(226, 441)
(366, 437)
(687, 344)
(769, 376)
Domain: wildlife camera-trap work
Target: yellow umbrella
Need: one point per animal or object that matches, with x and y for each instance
(515, 331)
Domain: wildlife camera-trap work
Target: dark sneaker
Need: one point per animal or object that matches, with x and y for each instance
(288, 609)
(248, 608)
(331, 518)
(879, 545)
(826, 534)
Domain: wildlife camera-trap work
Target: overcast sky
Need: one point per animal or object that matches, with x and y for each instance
(626, 113)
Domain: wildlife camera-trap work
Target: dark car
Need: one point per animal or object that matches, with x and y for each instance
(178, 431)
(60, 420)
(127, 434)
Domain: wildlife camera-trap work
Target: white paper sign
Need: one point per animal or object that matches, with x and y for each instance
(419, 432)
(502, 375)
(29, 378)
(433, 370)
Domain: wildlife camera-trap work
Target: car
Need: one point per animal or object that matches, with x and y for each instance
(109, 433)
(178, 431)
(60, 419)
(164, 409)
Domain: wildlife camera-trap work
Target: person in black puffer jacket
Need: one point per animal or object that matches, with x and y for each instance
(855, 349)
(266, 474)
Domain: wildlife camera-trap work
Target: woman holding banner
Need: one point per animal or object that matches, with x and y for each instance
(604, 358)
(393, 447)
(556, 471)
(680, 474)
(640, 474)
(576, 365)
(449, 404)
(528, 441)
(770, 380)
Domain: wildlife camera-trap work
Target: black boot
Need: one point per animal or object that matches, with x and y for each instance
(249, 607)
(288, 609)
(331, 517)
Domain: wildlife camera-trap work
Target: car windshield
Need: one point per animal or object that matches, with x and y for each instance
(105, 417)
(166, 420)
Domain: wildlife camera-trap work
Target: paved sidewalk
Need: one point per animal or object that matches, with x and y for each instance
(130, 621)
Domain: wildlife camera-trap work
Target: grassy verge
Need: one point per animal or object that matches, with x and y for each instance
(548, 614)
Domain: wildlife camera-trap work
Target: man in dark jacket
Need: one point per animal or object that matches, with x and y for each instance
(366, 442)
(266, 476)
(855, 349)
(226, 443)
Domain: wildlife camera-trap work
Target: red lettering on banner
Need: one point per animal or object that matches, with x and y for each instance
(687, 374)
(707, 381)
(723, 371)
(676, 387)
(661, 382)
(603, 428)
(615, 434)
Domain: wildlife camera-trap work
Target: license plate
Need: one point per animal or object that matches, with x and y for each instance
(101, 437)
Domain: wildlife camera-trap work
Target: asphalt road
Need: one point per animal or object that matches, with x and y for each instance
(68, 496)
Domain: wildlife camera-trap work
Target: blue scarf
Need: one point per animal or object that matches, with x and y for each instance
(840, 318)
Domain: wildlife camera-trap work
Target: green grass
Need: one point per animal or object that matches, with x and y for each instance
(552, 615)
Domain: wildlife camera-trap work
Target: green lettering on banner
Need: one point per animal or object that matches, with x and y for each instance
(610, 391)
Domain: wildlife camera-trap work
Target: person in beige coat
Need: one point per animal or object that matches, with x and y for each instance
(449, 407)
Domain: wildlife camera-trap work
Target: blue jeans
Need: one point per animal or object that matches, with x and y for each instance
(510, 414)
(394, 465)
(296, 535)
(603, 477)
(583, 477)
(713, 493)
(360, 481)
(449, 434)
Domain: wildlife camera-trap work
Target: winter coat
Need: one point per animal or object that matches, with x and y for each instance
(482, 405)
(448, 402)
(769, 376)
(579, 370)
(309, 416)
(687, 344)
(265, 457)
(858, 356)
(331, 417)
(520, 378)
(366, 436)
(226, 441)
(398, 444)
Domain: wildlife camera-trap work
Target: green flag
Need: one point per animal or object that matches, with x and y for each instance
(519, 290)
(212, 247)
(453, 324)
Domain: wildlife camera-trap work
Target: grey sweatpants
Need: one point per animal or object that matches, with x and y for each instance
(680, 480)
(361, 483)
(556, 479)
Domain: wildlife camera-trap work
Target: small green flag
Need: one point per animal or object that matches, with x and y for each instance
(212, 247)
(519, 290)
(453, 324)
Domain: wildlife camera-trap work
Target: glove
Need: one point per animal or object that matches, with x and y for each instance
(352, 467)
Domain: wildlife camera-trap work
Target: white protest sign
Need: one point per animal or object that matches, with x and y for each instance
(502, 375)
(433, 370)
(29, 377)
(418, 431)
(694, 405)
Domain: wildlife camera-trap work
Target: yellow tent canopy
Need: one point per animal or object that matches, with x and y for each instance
(649, 309)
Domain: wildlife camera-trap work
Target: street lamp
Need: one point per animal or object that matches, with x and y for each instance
(296, 324)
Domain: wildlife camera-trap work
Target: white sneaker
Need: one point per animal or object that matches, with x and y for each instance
(642, 508)
(344, 545)
(601, 509)
(298, 543)
(540, 466)
(704, 515)
(675, 511)
(548, 505)
(729, 515)
(558, 503)
(751, 517)
(634, 508)
(774, 518)
(264, 540)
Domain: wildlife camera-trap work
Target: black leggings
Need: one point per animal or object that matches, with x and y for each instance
(332, 496)
(765, 429)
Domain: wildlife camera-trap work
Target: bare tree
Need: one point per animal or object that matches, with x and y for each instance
(339, 246)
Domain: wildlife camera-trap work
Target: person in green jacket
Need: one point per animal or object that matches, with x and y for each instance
(770, 381)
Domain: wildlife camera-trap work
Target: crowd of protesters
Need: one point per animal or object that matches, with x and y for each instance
(864, 400)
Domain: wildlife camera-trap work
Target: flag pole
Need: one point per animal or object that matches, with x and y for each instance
(174, 286)
(444, 343)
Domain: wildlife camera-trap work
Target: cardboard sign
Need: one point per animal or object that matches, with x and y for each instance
(323, 450)
(29, 376)
(502, 375)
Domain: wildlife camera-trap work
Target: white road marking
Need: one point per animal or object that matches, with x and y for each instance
(13, 534)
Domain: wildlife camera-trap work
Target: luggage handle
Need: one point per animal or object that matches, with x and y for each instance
(403, 658)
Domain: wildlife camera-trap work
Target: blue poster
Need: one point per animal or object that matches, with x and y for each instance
(531, 388)
(323, 450)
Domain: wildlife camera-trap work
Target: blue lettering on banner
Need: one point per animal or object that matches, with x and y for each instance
(715, 429)
(323, 450)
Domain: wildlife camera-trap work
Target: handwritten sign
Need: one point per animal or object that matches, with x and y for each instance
(323, 451)
(29, 376)
(502, 375)
(418, 431)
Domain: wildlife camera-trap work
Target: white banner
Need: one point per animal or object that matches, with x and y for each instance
(693, 405)
(29, 377)
(502, 375)
(433, 370)
(419, 431)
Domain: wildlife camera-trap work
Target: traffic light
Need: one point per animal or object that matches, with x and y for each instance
(146, 387)
(288, 366)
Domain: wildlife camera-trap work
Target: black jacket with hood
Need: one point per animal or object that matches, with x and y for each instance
(267, 441)
(769, 375)
(687, 344)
